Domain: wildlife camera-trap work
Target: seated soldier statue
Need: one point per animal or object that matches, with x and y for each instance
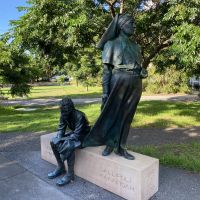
(64, 144)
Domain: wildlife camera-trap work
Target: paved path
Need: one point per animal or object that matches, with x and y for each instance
(54, 101)
(19, 183)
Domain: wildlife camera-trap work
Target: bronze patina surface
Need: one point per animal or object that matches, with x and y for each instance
(122, 87)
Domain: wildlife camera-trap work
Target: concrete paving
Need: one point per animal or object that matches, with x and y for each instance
(55, 101)
(9, 169)
(78, 190)
(18, 183)
(175, 184)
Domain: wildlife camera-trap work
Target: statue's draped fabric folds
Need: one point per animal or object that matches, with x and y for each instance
(122, 85)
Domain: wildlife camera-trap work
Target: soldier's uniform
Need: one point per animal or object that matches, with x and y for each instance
(64, 144)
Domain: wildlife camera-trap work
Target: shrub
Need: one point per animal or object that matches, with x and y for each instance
(170, 81)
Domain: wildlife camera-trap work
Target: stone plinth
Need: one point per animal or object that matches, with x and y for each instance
(131, 179)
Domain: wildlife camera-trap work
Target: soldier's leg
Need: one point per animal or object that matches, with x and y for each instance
(69, 177)
(61, 167)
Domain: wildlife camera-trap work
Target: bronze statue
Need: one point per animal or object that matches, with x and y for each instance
(64, 144)
(122, 87)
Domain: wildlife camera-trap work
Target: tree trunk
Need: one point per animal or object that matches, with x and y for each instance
(111, 4)
(156, 51)
(121, 6)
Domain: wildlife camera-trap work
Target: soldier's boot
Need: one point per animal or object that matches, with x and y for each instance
(69, 177)
(60, 168)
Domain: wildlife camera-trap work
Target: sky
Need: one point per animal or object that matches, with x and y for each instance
(8, 12)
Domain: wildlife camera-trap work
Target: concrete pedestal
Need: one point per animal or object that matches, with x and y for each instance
(131, 179)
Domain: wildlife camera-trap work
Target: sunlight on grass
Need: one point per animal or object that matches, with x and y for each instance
(60, 91)
(167, 114)
(149, 114)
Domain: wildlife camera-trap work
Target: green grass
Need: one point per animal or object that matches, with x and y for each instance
(184, 156)
(46, 92)
(149, 114)
(167, 114)
(43, 119)
(59, 91)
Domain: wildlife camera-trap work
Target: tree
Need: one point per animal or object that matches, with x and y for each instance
(88, 72)
(14, 69)
(58, 30)
(62, 34)
(168, 31)
(170, 81)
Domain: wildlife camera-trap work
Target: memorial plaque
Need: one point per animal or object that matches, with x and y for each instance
(131, 179)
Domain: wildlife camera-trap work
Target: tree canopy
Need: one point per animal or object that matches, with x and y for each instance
(14, 69)
(62, 34)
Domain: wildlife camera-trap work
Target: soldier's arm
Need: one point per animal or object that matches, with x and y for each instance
(81, 128)
(61, 128)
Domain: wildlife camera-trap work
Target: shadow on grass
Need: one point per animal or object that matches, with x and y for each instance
(158, 107)
(159, 136)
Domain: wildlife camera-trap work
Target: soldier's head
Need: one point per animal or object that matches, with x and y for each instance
(66, 106)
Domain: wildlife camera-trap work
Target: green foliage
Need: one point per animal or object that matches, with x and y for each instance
(170, 81)
(175, 35)
(59, 31)
(61, 79)
(89, 68)
(15, 69)
(61, 35)
(168, 32)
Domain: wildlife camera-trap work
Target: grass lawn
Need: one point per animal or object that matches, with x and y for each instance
(149, 114)
(72, 91)
(184, 156)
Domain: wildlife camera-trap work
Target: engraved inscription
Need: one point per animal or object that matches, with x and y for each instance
(117, 178)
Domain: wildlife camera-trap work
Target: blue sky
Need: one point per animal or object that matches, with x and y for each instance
(8, 12)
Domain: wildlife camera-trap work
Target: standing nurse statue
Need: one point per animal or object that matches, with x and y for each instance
(122, 87)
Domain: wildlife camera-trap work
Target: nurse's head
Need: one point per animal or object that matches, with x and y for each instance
(126, 24)
(121, 22)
